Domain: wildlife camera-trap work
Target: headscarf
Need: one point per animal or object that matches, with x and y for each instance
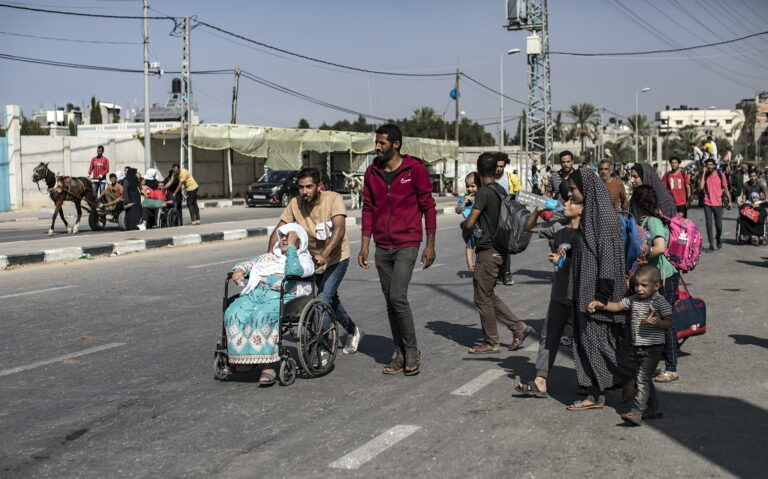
(274, 262)
(600, 256)
(666, 203)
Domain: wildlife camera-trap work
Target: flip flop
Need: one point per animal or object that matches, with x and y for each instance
(580, 406)
(666, 377)
(531, 389)
(484, 348)
(270, 379)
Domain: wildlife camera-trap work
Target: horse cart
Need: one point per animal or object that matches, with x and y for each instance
(112, 213)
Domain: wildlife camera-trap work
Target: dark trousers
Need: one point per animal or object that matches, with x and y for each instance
(713, 213)
(490, 306)
(682, 209)
(327, 284)
(669, 291)
(194, 211)
(558, 315)
(395, 267)
(646, 357)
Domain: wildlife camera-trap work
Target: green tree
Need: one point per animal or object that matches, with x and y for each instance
(749, 108)
(557, 127)
(584, 116)
(72, 128)
(32, 128)
(519, 138)
(96, 112)
(303, 124)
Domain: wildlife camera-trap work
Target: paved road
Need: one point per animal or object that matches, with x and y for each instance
(144, 401)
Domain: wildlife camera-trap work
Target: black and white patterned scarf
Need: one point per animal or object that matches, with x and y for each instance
(666, 203)
(599, 258)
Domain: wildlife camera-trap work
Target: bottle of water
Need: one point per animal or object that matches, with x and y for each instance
(529, 199)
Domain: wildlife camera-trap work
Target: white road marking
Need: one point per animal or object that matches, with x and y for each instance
(233, 261)
(46, 362)
(374, 447)
(56, 288)
(479, 382)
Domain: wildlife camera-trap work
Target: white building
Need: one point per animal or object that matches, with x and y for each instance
(710, 122)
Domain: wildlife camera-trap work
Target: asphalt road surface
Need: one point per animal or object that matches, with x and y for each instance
(106, 371)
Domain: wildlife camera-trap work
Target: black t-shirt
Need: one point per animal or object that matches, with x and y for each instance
(487, 201)
(757, 187)
(389, 176)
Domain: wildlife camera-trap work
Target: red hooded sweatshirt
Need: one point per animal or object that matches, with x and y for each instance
(392, 213)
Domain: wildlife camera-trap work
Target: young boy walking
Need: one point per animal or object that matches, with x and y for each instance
(651, 315)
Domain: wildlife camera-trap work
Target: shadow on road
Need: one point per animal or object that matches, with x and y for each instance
(535, 274)
(377, 347)
(461, 334)
(763, 264)
(744, 339)
(724, 430)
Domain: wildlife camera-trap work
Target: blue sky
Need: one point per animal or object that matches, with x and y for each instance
(406, 36)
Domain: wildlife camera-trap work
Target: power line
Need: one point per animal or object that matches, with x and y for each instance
(56, 63)
(669, 50)
(483, 85)
(78, 14)
(69, 39)
(317, 60)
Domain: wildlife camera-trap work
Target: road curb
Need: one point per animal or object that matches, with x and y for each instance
(124, 247)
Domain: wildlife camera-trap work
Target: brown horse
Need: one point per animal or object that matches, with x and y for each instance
(64, 188)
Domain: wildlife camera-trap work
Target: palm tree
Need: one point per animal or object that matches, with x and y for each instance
(557, 127)
(584, 124)
(689, 134)
(749, 108)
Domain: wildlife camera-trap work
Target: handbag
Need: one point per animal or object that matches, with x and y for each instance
(689, 315)
(750, 213)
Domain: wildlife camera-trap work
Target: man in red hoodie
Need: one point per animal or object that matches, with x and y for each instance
(397, 193)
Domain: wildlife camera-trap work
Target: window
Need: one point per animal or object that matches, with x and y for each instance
(678, 122)
(728, 122)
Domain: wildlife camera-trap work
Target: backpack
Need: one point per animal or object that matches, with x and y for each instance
(511, 237)
(637, 243)
(684, 246)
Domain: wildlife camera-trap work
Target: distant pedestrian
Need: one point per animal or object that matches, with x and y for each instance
(678, 183)
(714, 185)
(643, 174)
(557, 178)
(323, 215)
(188, 182)
(113, 193)
(753, 186)
(486, 212)
(132, 199)
(650, 315)
(464, 208)
(396, 196)
(98, 170)
(171, 185)
(614, 185)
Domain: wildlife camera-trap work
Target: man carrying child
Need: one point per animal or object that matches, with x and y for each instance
(651, 314)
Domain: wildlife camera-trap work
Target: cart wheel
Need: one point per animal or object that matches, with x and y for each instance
(96, 221)
(220, 368)
(287, 372)
(121, 221)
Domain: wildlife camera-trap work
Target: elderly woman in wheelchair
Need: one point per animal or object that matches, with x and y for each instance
(277, 300)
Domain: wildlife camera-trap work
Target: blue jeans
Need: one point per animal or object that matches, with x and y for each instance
(98, 187)
(327, 289)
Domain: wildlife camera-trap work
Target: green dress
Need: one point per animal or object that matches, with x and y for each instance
(253, 321)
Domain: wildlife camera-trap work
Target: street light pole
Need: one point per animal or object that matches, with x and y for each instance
(501, 95)
(147, 137)
(637, 120)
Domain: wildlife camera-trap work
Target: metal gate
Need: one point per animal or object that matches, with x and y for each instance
(5, 184)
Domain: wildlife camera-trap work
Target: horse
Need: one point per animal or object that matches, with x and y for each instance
(65, 188)
(355, 186)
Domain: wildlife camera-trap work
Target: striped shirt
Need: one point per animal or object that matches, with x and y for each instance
(645, 334)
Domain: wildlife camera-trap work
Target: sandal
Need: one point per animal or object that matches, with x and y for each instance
(580, 406)
(412, 362)
(519, 338)
(396, 366)
(531, 389)
(484, 348)
(267, 378)
(666, 377)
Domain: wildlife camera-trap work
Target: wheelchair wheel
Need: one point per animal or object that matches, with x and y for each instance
(220, 367)
(172, 218)
(317, 345)
(287, 373)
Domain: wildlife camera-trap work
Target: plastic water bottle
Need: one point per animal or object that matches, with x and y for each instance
(561, 261)
(529, 199)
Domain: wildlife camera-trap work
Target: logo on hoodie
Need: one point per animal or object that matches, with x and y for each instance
(404, 180)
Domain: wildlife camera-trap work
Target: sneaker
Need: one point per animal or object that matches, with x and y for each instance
(719, 244)
(141, 227)
(508, 279)
(353, 340)
(632, 418)
(566, 341)
(753, 240)
(711, 249)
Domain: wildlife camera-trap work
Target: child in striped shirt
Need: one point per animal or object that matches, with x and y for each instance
(651, 314)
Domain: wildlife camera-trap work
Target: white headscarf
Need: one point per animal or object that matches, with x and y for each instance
(274, 262)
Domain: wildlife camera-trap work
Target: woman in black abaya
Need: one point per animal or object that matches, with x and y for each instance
(132, 200)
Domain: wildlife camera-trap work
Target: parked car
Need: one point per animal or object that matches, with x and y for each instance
(273, 188)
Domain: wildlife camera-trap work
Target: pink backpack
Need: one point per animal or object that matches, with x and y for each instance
(684, 246)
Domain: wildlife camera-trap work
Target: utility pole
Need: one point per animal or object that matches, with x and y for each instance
(234, 120)
(186, 102)
(456, 135)
(147, 138)
(600, 148)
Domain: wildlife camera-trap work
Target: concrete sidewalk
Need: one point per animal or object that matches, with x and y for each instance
(115, 243)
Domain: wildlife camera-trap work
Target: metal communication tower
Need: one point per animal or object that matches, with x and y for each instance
(185, 159)
(531, 15)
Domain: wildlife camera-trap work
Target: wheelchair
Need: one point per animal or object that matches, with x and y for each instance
(303, 318)
(168, 216)
(749, 229)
